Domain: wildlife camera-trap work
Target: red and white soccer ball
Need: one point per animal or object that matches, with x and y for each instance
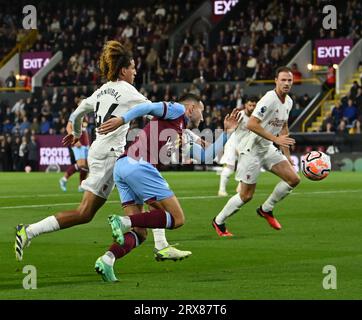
(316, 165)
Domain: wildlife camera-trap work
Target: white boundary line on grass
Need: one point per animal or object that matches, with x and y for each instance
(35, 196)
(180, 198)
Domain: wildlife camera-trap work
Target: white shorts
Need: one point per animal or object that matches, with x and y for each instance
(249, 165)
(229, 157)
(100, 178)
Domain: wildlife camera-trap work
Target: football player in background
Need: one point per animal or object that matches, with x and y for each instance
(231, 153)
(80, 152)
(268, 124)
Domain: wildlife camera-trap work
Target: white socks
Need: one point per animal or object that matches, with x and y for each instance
(160, 238)
(48, 224)
(224, 178)
(231, 207)
(158, 234)
(109, 258)
(126, 221)
(281, 190)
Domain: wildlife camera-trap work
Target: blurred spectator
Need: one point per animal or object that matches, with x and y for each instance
(337, 115)
(18, 106)
(23, 153)
(25, 125)
(304, 101)
(8, 126)
(295, 112)
(328, 123)
(297, 75)
(123, 15)
(10, 81)
(331, 77)
(354, 90)
(27, 81)
(15, 147)
(350, 113)
(250, 66)
(342, 128)
(44, 125)
(8, 158)
(33, 156)
(3, 151)
(35, 127)
(359, 100)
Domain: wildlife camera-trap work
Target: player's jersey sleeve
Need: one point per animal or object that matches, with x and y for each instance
(137, 98)
(173, 110)
(190, 136)
(263, 108)
(86, 106)
(163, 110)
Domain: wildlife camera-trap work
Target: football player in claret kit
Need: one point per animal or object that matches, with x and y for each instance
(231, 153)
(138, 180)
(268, 124)
(112, 99)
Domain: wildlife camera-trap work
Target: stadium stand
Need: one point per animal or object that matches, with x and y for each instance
(248, 45)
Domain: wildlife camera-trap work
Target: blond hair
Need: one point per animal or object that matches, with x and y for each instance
(114, 56)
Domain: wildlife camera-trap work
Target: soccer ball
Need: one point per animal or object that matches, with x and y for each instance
(316, 165)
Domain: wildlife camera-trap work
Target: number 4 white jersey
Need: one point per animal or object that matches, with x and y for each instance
(273, 115)
(113, 99)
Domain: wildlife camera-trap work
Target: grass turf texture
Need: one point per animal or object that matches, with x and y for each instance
(321, 226)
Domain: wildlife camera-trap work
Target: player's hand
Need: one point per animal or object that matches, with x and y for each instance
(284, 141)
(231, 121)
(69, 140)
(240, 117)
(110, 125)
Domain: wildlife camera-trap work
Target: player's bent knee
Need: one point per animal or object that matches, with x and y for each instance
(294, 181)
(246, 197)
(178, 222)
(85, 217)
(85, 214)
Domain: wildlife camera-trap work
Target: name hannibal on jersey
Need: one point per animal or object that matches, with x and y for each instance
(273, 115)
(114, 99)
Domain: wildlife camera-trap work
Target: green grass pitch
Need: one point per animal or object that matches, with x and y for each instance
(322, 225)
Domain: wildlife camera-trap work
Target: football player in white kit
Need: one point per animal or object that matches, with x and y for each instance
(231, 152)
(112, 99)
(268, 124)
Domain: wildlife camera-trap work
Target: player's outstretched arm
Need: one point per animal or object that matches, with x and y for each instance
(165, 110)
(206, 155)
(231, 121)
(282, 140)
